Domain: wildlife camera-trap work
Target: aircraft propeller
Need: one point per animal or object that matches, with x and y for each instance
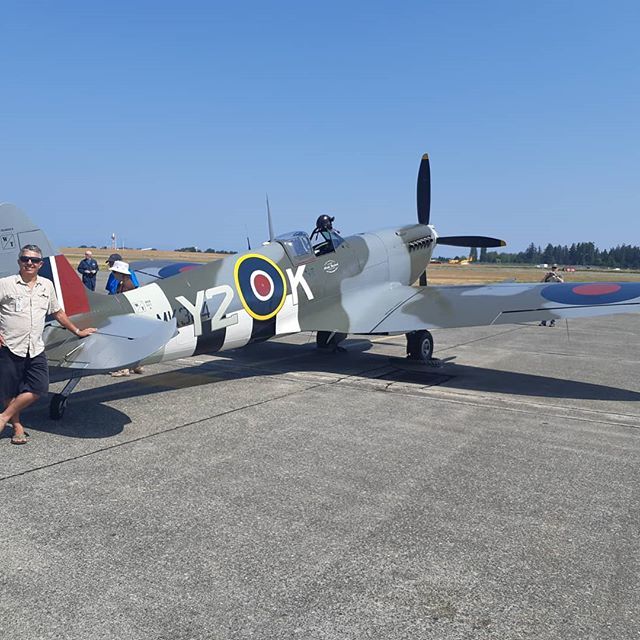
(471, 241)
(423, 196)
(424, 190)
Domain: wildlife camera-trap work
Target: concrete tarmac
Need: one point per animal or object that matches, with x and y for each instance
(276, 492)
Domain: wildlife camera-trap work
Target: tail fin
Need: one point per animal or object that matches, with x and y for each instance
(16, 230)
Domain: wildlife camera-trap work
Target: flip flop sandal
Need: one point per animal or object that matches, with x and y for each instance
(120, 374)
(21, 439)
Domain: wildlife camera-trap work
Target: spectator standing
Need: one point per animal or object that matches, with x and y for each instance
(25, 302)
(88, 267)
(112, 282)
(124, 282)
(551, 276)
(122, 274)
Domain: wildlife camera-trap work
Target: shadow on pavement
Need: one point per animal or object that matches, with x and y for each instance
(88, 418)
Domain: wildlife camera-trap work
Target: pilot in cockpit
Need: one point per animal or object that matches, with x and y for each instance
(324, 238)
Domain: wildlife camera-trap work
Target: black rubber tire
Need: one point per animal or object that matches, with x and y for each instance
(420, 345)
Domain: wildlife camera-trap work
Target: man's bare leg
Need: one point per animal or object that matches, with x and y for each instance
(6, 403)
(13, 409)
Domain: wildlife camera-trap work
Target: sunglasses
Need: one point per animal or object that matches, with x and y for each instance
(25, 259)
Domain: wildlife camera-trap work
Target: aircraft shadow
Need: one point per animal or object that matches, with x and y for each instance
(451, 375)
(272, 358)
(86, 418)
(525, 384)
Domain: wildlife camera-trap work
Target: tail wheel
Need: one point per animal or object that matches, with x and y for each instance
(57, 406)
(420, 345)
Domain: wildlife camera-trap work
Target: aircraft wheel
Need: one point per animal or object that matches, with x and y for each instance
(420, 345)
(57, 406)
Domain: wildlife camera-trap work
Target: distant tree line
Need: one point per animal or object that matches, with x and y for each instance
(196, 250)
(186, 249)
(104, 246)
(624, 256)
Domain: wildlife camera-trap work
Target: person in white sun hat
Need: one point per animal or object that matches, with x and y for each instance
(122, 273)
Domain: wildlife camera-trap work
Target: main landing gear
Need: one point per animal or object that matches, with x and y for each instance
(330, 341)
(58, 403)
(420, 346)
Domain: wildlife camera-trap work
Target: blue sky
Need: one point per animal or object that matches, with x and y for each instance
(167, 122)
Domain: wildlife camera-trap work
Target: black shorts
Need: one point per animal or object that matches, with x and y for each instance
(18, 375)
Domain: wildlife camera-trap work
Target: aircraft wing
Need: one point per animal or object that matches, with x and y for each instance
(400, 309)
(152, 270)
(120, 341)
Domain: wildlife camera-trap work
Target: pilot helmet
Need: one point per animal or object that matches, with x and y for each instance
(323, 223)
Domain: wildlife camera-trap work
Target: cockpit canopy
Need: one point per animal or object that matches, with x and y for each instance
(298, 246)
(325, 241)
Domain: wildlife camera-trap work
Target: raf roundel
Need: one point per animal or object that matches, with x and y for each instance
(261, 286)
(592, 293)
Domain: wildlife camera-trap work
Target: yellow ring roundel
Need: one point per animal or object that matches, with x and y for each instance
(261, 285)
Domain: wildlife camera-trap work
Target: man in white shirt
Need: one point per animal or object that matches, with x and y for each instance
(25, 302)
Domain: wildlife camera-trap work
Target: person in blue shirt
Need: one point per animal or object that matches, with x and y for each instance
(125, 280)
(88, 267)
(112, 282)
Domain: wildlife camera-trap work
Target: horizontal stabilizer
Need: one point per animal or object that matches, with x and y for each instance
(120, 341)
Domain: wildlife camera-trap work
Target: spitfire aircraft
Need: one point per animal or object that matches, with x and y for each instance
(323, 282)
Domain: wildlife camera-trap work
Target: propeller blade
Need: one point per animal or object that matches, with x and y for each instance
(423, 190)
(471, 241)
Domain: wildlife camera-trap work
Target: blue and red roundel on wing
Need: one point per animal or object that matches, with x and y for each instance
(261, 286)
(591, 293)
(176, 268)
